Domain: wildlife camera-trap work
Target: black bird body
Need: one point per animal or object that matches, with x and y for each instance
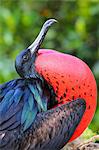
(26, 123)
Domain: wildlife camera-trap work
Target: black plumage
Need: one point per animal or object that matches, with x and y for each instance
(51, 129)
(20, 101)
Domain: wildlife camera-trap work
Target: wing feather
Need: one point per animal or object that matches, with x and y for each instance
(20, 101)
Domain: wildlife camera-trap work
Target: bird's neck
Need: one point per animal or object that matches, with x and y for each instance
(45, 87)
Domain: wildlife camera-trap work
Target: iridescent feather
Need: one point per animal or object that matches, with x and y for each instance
(20, 101)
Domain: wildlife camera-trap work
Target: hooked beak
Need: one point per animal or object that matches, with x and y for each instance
(34, 47)
(25, 66)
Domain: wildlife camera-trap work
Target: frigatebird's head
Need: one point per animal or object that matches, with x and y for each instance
(25, 61)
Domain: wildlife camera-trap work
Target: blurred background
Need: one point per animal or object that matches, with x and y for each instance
(77, 33)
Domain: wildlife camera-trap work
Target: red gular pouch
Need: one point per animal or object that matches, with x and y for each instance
(71, 78)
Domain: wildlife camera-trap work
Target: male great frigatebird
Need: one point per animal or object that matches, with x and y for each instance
(49, 103)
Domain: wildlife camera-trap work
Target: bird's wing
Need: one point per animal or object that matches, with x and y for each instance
(51, 129)
(56, 126)
(20, 101)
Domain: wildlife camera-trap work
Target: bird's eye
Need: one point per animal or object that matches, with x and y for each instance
(25, 57)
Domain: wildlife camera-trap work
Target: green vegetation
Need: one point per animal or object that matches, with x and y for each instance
(77, 33)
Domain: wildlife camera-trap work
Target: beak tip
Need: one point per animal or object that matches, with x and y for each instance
(53, 20)
(49, 22)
